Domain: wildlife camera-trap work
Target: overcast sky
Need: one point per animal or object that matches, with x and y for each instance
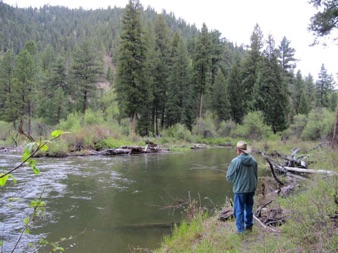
(235, 19)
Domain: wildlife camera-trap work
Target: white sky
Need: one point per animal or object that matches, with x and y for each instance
(235, 19)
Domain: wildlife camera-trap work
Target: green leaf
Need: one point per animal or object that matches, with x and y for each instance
(43, 241)
(44, 148)
(60, 248)
(26, 221)
(56, 133)
(3, 180)
(13, 199)
(27, 231)
(29, 147)
(31, 162)
(12, 177)
(36, 170)
(26, 155)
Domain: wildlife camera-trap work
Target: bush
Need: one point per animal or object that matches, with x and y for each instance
(225, 128)
(72, 123)
(93, 118)
(299, 123)
(253, 127)
(5, 131)
(205, 126)
(179, 132)
(319, 125)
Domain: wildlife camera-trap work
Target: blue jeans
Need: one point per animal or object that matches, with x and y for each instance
(243, 210)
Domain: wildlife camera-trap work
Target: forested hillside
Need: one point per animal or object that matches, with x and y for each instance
(152, 68)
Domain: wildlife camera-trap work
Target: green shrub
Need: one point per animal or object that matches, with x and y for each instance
(299, 123)
(205, 126)
(179, 132)
(319, 125)
(72, 123)
(5, 131)
(226, 128)
(93, 118)
(253, 127)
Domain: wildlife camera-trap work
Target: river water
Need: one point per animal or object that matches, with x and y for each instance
(110, 203)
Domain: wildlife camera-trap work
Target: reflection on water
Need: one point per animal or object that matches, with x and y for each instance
(116, 200)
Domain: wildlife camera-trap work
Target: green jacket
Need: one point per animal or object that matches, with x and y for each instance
(242, 172)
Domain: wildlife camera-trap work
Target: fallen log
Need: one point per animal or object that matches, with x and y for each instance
(311, 171)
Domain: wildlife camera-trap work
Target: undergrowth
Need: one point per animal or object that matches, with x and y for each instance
(311, 224)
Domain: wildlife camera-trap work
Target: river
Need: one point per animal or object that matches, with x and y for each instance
(110, 203)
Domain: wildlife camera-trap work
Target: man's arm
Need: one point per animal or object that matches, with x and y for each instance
(232, 169)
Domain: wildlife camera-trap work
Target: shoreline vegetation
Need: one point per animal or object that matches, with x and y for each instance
(301, 218)
(304, 206)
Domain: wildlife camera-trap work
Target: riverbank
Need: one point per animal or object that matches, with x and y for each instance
(311, 213)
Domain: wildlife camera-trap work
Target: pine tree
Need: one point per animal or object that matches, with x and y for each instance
(297, 91)
(23, 86)
(310, 91)
(54, 107)
(7, 104)
(286, 58)
(250, 65)
(324, 87)
(179, 102)
(220, 97)
(146, 122)
(162, 70)
(130, 77)
(202, 66)
(274, 87)
(86, 71)
(236, 90)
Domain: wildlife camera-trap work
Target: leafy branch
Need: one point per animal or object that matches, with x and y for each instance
(29, 151)
(38, 207)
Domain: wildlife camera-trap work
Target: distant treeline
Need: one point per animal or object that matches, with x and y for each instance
(153, 68)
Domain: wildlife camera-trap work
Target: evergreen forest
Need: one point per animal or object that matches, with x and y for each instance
(152, 70)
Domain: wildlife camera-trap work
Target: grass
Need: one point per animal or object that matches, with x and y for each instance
(310, 226)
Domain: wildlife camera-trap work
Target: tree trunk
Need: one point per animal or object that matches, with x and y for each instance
(201, 105)
(336, 125)
(133, 123)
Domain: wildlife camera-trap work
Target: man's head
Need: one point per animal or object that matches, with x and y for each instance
(241, 146)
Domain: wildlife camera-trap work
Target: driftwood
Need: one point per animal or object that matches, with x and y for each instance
(128, 150)
(302, 170)
(199, 146)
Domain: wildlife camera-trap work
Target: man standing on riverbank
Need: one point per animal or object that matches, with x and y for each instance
(242, 172)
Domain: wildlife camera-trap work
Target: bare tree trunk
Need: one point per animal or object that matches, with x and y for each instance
(335, 126)
(201, 106)
(133, 123)
(29, 118)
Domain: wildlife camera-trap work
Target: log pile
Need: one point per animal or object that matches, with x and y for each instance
(150, 147)
(293, 168)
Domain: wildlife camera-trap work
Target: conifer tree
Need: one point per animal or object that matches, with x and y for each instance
(146, 122)
(130, 77)
(180, 91)
(24, 86)
(297, 91)
(220, 97)
(236, 90)
(250, 65)
(7, 103)
(324, 87)
(310, 91)
(202, 66)
(54, 107)
(86, 71)
(162, 69)
(275, 101)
